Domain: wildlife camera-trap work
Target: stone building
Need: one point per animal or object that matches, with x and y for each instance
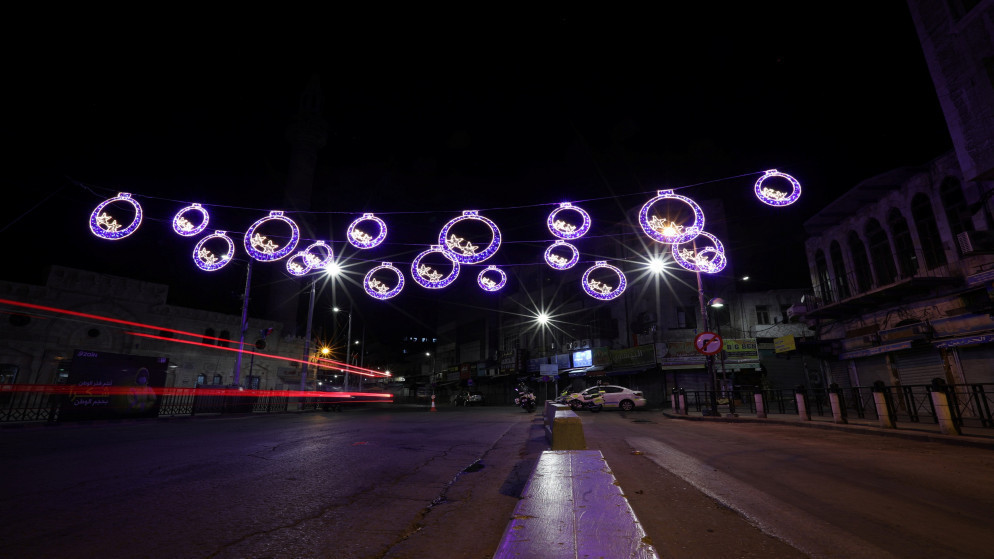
(82, 310)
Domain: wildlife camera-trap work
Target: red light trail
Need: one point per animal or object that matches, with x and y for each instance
(322, 362)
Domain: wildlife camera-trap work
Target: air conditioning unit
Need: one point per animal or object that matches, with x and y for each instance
(970, 242)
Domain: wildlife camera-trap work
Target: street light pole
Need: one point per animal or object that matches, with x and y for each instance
(307, 338)
(244, 325)
(708, 359)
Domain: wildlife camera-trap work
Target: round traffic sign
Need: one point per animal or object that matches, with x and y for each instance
(708, 343)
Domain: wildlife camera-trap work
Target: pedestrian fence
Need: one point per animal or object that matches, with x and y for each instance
(43, 403)
(970, 404)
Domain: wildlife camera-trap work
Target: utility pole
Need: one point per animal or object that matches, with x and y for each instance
(244, 325)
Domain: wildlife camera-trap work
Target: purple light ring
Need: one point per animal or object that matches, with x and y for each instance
(476, 258)
(221, 262)
(765, 198)
(299, 269)
(562, 244)
(581, 231)
(713, 266)
(615, 293)
(687, 235)
(276, 254)
(316, 262)
(438, 284)
(121, 233)
(178, 219)
(388, 294)
(376, 241)
(496, 287)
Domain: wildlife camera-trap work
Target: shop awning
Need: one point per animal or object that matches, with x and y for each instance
(876, 350)
(964, 341)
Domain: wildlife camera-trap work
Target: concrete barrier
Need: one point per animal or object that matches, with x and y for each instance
(565, 432)
(573, 507)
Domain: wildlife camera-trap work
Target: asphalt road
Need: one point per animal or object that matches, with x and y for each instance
(407, 483)
(826, 493)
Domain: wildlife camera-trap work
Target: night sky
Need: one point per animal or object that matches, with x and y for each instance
(429, 115)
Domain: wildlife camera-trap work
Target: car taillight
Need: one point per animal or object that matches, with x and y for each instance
(639, 394)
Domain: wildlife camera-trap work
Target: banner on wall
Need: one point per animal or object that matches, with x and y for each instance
(110, 385)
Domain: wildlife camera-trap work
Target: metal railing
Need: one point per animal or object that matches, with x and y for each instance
(973, 403)
(852, 283)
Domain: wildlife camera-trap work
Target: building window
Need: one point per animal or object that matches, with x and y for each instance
(861, 264)
(783, 313)
(686, 317)
(19, 319)
(208, 336)
(904, 247)
(824, 287)
(928, 231)
(762, 314)
(201, 379)
(839, 269)
(217, 379)
(93, 333)
(880, 253)
(224, 337)
(957, 210)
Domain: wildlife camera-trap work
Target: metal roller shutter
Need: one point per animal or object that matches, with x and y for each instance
(977, 363)
(839, 371)
(872, 369)
(918, 366)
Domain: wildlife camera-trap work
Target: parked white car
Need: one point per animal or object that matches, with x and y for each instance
(614, 397)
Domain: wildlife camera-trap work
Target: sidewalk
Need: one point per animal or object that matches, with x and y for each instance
(926, 431)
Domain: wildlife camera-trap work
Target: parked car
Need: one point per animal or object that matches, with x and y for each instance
(614, 397)
(474, 399)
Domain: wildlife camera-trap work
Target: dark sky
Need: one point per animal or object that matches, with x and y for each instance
(432, 114)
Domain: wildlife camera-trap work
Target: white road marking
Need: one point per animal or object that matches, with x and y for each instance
(806, 533)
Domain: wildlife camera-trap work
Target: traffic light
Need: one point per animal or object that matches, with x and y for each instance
(261, 342)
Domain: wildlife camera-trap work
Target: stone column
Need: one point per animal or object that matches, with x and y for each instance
(835, 399)
(882, 402)
(801, 397)
(945, 412)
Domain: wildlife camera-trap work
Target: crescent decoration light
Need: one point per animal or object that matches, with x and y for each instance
(265, 249)
(559, 262)
(299, 264)
(428, 277)
(487, 283)
(184, 227)
(567, 230)
(709, 260)
(463, 251)
(105, 226)
(360, 238)
(379, 290)
(207, 260)
(661, 229)
(774, 197)
(315, 260)
(601, 290)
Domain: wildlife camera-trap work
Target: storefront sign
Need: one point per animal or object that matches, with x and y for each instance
(784, 344)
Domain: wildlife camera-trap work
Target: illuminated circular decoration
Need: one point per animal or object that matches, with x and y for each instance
(103, 225)
(379, 290)
(184, 227)
(487, 283)
(262, 248)
(318, 261)
(774, 197)
(564, 229)
(360, 239)
(670, 232)
(207, 260)
(299, 264)
(709, 259)
(464, 251)
(426, 276)
(557, 261)
(601, 290)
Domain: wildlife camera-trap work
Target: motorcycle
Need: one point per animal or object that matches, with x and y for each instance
(525, 398)
(593, 405)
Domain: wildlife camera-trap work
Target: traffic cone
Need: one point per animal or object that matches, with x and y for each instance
(432, 403)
